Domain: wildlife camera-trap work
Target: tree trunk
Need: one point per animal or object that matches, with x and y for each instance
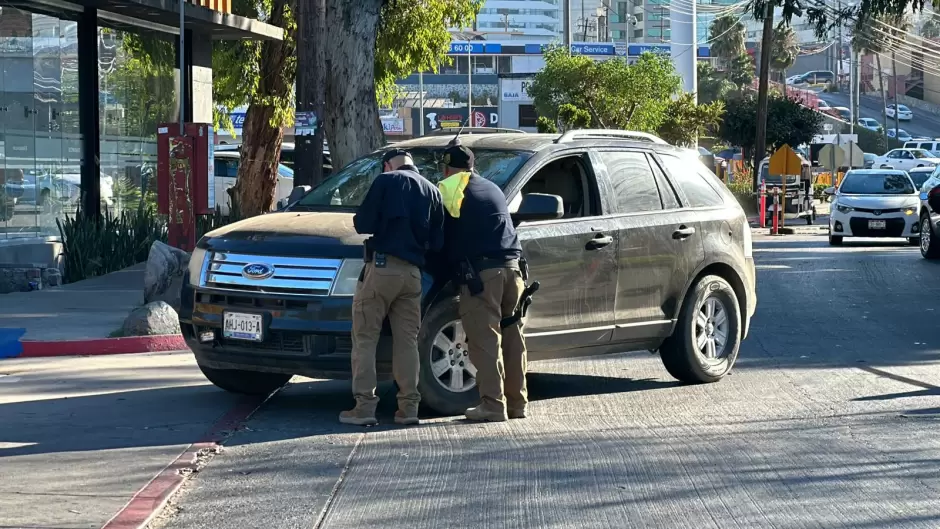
(353, 127)
(884, 99)
(256, 184)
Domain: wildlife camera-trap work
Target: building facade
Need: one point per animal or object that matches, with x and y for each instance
(83, 87)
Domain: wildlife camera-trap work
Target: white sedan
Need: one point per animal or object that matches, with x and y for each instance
(875, 203)
(903, 113)
(906, 159)
(870, 124)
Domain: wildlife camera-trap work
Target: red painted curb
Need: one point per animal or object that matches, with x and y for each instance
(103, 346)
(150, 500)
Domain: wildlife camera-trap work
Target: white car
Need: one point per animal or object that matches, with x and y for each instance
(869, 123)
(900, 134)
(875, 203)
(903, 113)
(226, 170)
(906, 159)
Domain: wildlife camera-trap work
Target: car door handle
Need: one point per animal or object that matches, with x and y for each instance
(683, 233)
(599, 242)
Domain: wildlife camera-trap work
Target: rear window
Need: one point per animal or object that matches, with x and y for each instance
(692, 177)
(919, 177)
(348, 187)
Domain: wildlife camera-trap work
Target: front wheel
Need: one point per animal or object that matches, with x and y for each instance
(705, 344)
(447, 380)
(835, 240)
(929, 249)
(245, 382)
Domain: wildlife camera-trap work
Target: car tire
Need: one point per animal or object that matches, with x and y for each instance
(680, 353)
(835, 240)
(245, 382)
(929, 246)
(434, 394)
(913, 241)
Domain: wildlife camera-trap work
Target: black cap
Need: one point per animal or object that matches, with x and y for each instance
(458, 157)
(394, 153)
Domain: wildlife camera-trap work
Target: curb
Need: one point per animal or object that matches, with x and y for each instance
(93, 347)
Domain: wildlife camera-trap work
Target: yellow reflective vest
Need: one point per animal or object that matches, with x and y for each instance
(452, 189)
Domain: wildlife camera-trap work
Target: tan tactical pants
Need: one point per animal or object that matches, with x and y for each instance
(395, 291)
(499, 355)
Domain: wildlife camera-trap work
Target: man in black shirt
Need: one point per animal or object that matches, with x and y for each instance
(481, 242)
(404, 214)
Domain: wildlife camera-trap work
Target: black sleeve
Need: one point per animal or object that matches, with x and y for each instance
(369, 212)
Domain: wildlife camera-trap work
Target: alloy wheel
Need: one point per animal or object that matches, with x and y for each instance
(712, 326)
(450, 359)
(925, 233)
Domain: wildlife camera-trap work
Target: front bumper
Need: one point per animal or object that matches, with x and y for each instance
(309, 337)
(856, 224)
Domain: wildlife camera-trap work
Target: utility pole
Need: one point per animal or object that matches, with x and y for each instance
(469, 84)
(421, 102)
(839, 49)
(567, 24)
(853, 116)
(760, 144)
(182, 97)
(894, 85)
(311, 92)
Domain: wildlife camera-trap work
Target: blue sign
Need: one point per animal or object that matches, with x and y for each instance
(593, 49)
(636, 50)
(238, 119)
(475, 48)
(534, 49)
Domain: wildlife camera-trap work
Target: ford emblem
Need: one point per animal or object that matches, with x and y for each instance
(258, 271)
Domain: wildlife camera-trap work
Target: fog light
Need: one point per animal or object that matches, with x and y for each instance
(206, 336)
(838, 226)
(915, 228)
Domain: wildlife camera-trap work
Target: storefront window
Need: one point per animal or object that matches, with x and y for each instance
(40, 145)
(138, 91)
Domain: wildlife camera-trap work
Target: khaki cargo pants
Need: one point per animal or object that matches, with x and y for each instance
(499, 355)
(393, 291)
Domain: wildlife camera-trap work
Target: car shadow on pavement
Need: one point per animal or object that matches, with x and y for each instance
(545, 386)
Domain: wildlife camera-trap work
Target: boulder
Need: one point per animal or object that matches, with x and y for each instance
(163, 276)
(153, 319)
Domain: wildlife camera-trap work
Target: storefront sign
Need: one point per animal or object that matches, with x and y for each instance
(474, 48)
(516, 89)
(454, 118)
(305, 123)
(593, 49)
(393, 125)
(238, 119)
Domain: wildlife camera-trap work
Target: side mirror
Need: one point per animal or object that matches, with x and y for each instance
(539, 206)
(297, 193)
(830, 190)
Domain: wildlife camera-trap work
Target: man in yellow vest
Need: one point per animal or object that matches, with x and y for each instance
(480, 241)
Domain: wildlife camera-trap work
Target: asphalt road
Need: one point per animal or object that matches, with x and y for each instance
(924, 123)
(829, 420)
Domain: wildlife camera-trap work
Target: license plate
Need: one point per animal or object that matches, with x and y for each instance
(240, 326)
(876, 224)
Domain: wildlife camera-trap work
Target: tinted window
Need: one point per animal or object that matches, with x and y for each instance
(226, 167)
(919, 177)
(634, 184)
(348, 187)
(857, 183)
(690, 175)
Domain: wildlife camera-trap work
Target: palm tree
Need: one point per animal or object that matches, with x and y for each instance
(867, 40)
(727, 35)
(784, 49)
(930, 29)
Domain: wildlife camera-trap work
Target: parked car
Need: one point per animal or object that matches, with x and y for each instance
(905, 159)
(823, 106)
(903, 113)
(843, 113)
(46, 189)
(815, 78)
(869, 159)
(900, 134)
(920, 175)
(636, 244)
(707, 158)
(870, 124)
(226, 171)
(287, 154)
(11, 190)
(930, 216)
(928, 145)
(874, 203)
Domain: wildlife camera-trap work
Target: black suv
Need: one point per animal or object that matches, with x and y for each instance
(651, 252)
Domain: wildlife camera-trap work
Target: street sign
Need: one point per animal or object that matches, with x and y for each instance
(785, 161)
(827, 127)
(832, 157)
(855, 155)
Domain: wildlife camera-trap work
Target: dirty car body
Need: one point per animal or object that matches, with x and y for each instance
(272, 296)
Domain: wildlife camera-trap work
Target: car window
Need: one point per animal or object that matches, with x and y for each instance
(907, 155)
(920, 153)
(919, 178)
(226, 167)
(635, 188)
(348, 187)
(859, 183)
(691, 176)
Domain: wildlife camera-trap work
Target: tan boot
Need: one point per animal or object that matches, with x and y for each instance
(358, 416)
(517, 413)
(480, 413)
(406, 418)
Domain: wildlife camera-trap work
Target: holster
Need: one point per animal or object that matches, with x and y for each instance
(522, 308)
(470, 277)
(368, 251)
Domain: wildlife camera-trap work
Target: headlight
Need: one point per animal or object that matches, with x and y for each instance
(844, 209)
(347, 278)
(196, 263)
(910, 210)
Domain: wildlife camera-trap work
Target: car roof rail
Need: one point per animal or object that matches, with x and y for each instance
(581, 134)
(476, 130)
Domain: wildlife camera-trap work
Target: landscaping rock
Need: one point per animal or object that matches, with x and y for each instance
(163, 276)
(153, 319)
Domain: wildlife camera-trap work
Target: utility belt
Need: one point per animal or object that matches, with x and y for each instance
(470, 276)
(369, 255)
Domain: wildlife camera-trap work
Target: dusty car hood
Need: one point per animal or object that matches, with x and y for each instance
(879, 201)
(302, 234)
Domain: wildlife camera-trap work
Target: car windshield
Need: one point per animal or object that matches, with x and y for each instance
(919, 177)
(921, 153)
(903, 108)
(347, 188)
(876, 184)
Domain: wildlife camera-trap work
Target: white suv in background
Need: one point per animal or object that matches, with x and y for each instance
(927, 145)
(905, 159)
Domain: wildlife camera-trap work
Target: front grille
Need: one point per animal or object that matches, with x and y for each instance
(297, 343)
(275, 341)
(893, 228)
(879, 211)
(292, 275)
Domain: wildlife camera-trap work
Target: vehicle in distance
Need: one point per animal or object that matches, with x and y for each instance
(869, 159)
(843, 113)
(636, 244)
(900, 134)
(874, 203)
(906, 159)
(870, 124)
(815, 78)
(823, 106)
(930, 216)
(902, 112)
(928, 145)
(225, 172)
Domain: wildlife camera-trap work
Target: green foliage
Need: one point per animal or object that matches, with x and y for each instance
(141, 78)
(545, 125)
(740, 71)
(788, 122)
(712, 85)
(930, 29)
(684, 121)
(413, 37)
(727, 35)
(572, 117)
(92, 249)
(784, 48)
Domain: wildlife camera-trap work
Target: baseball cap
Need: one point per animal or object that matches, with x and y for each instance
(458, 157)
(394, 153)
